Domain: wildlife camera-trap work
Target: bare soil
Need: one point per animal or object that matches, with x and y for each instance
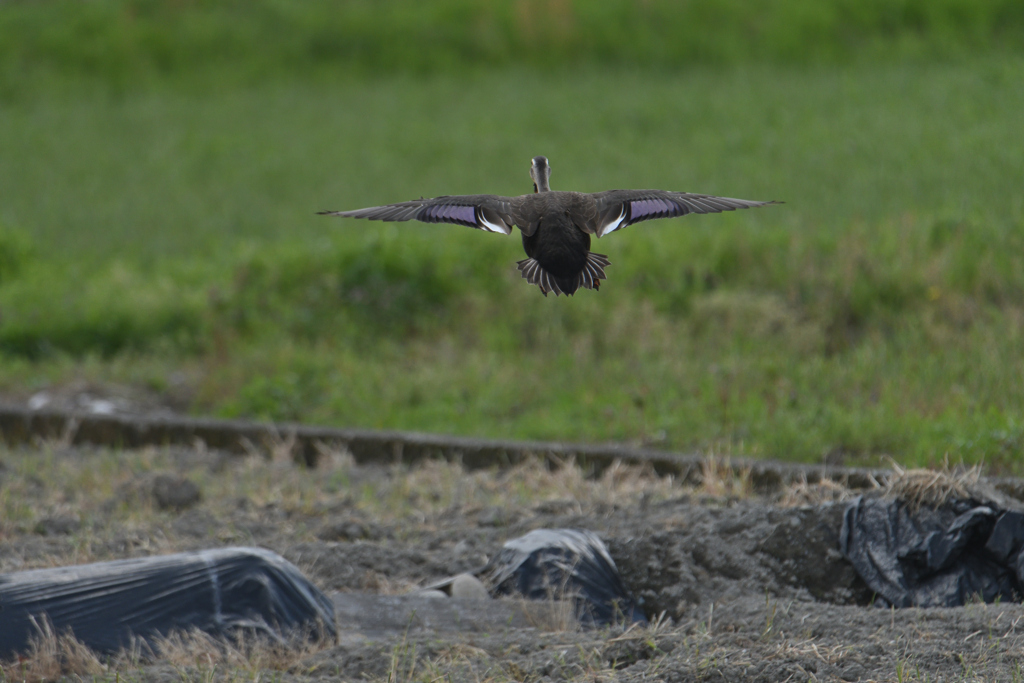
(738, 588)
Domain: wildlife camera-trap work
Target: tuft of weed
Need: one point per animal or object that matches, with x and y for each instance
(932, 488)
(52, 656)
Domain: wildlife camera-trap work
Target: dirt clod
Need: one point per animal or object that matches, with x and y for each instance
(172, 492)
(62, 525)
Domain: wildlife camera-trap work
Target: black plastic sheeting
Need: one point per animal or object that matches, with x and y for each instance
(561, 564)
(222, 592)
(945, 557)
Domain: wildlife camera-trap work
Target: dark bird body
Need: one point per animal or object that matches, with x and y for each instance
(556, 226)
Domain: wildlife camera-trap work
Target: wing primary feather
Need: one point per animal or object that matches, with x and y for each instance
(706, 206)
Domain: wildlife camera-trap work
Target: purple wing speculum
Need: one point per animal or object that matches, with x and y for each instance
(449, 213)
(654, 208)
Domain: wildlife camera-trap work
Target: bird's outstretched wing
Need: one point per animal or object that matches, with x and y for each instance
(619, 208)
(484, 211)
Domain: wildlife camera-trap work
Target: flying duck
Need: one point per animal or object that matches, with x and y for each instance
(556, 226)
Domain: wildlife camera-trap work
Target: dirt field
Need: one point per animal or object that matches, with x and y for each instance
(739, 588)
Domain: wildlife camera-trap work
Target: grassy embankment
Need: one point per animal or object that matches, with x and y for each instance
(158, 230)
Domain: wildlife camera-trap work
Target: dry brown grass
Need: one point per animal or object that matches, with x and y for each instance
(802, 493)
(553, 616)
(719, 478)
(809, 649)
(436, 485)
(378, 583)
(931, 488)
(52, 656)
(574, 659)
(245, 652)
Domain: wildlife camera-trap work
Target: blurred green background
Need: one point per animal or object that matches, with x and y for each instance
(161, 162)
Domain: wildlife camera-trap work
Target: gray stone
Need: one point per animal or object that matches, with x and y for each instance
(468, 587)
(171, 492)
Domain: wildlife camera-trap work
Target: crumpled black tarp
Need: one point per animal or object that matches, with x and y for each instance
(548, 564)
(220, 592)
(942, 557)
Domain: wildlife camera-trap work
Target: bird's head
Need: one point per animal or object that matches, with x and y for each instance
(540, 172)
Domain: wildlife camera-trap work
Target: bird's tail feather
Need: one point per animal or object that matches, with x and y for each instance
(588, 278)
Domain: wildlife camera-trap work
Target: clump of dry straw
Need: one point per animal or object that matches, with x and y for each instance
(931, 488)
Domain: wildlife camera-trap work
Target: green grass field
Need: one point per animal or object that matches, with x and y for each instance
(165, 232)
(123, 42)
